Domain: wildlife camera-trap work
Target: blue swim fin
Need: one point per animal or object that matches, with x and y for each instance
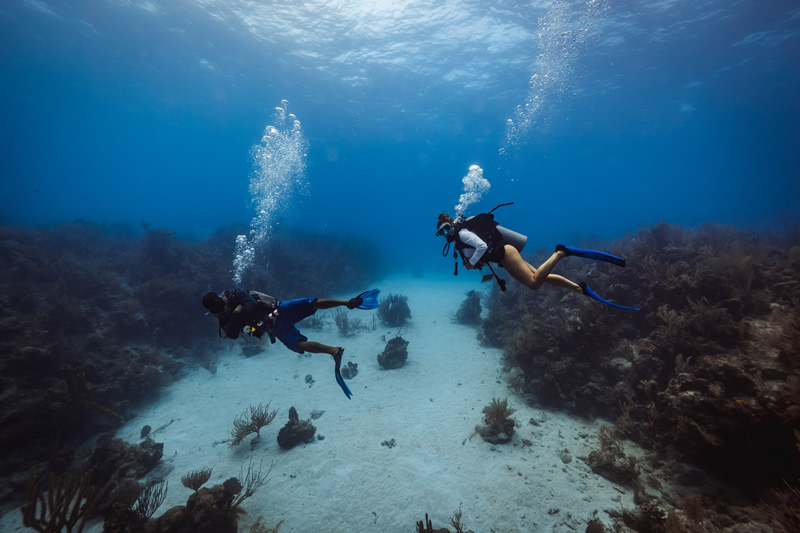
(369, 299)
(344, 386)
(337, 370)
(591, 294)
(591, 254)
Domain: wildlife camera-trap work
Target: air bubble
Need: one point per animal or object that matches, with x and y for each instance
(560, 33)
(279, 163)
(474, 187)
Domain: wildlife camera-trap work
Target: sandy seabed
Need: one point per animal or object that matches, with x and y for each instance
(348, 479)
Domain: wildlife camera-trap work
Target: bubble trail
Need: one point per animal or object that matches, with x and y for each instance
(475, 185)
(279, 164)
(560, 41)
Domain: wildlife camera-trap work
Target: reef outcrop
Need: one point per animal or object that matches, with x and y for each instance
(394, 354)
(498, 426)
(707, 371)
(96, 320)
(295, 431)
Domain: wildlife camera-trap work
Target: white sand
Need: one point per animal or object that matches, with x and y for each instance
(430, 407)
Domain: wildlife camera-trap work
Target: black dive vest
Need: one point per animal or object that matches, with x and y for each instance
(256, 317)
(485, 227)
(266, 305)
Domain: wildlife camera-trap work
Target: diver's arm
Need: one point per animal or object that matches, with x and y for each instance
(470, 239)
(243, 302)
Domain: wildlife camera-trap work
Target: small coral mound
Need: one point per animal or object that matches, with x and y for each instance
(455, 521)
(350, 370)
(394, 310)
(395, 353)
(470, 311)
(295, 431)
(610, 460)
(498, 427)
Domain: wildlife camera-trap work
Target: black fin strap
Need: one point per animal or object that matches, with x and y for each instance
(500, 281)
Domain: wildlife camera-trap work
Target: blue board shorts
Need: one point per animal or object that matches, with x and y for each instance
(289, 314)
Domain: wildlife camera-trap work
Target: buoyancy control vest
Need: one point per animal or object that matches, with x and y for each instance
(257, 318)
(485, 227)
(495, 236)
(266, 305)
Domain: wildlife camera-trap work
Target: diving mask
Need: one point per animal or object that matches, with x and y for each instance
(444, 230)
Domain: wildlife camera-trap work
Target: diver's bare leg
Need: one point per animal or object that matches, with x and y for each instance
(561, 282)
(531, 278)
(557, 281)
(316, 347)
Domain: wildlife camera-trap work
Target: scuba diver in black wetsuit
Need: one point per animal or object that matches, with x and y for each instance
(480, 241)
(256, 313)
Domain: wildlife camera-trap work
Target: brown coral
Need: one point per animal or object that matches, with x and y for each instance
(498, 427)
(196, 478)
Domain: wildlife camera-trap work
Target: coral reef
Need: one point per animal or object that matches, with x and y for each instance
(707, 372)
(150, 499)
(115, 457)
(73, 497)
(394, 311)
(675, 508)
(295, 431)
(125, 493)
(610, 460)
(395, 353)
(498, 427)
(210, 510)
(70, 501)
(95, 320)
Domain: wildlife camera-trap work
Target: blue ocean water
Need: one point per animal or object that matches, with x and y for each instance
(622, 113)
